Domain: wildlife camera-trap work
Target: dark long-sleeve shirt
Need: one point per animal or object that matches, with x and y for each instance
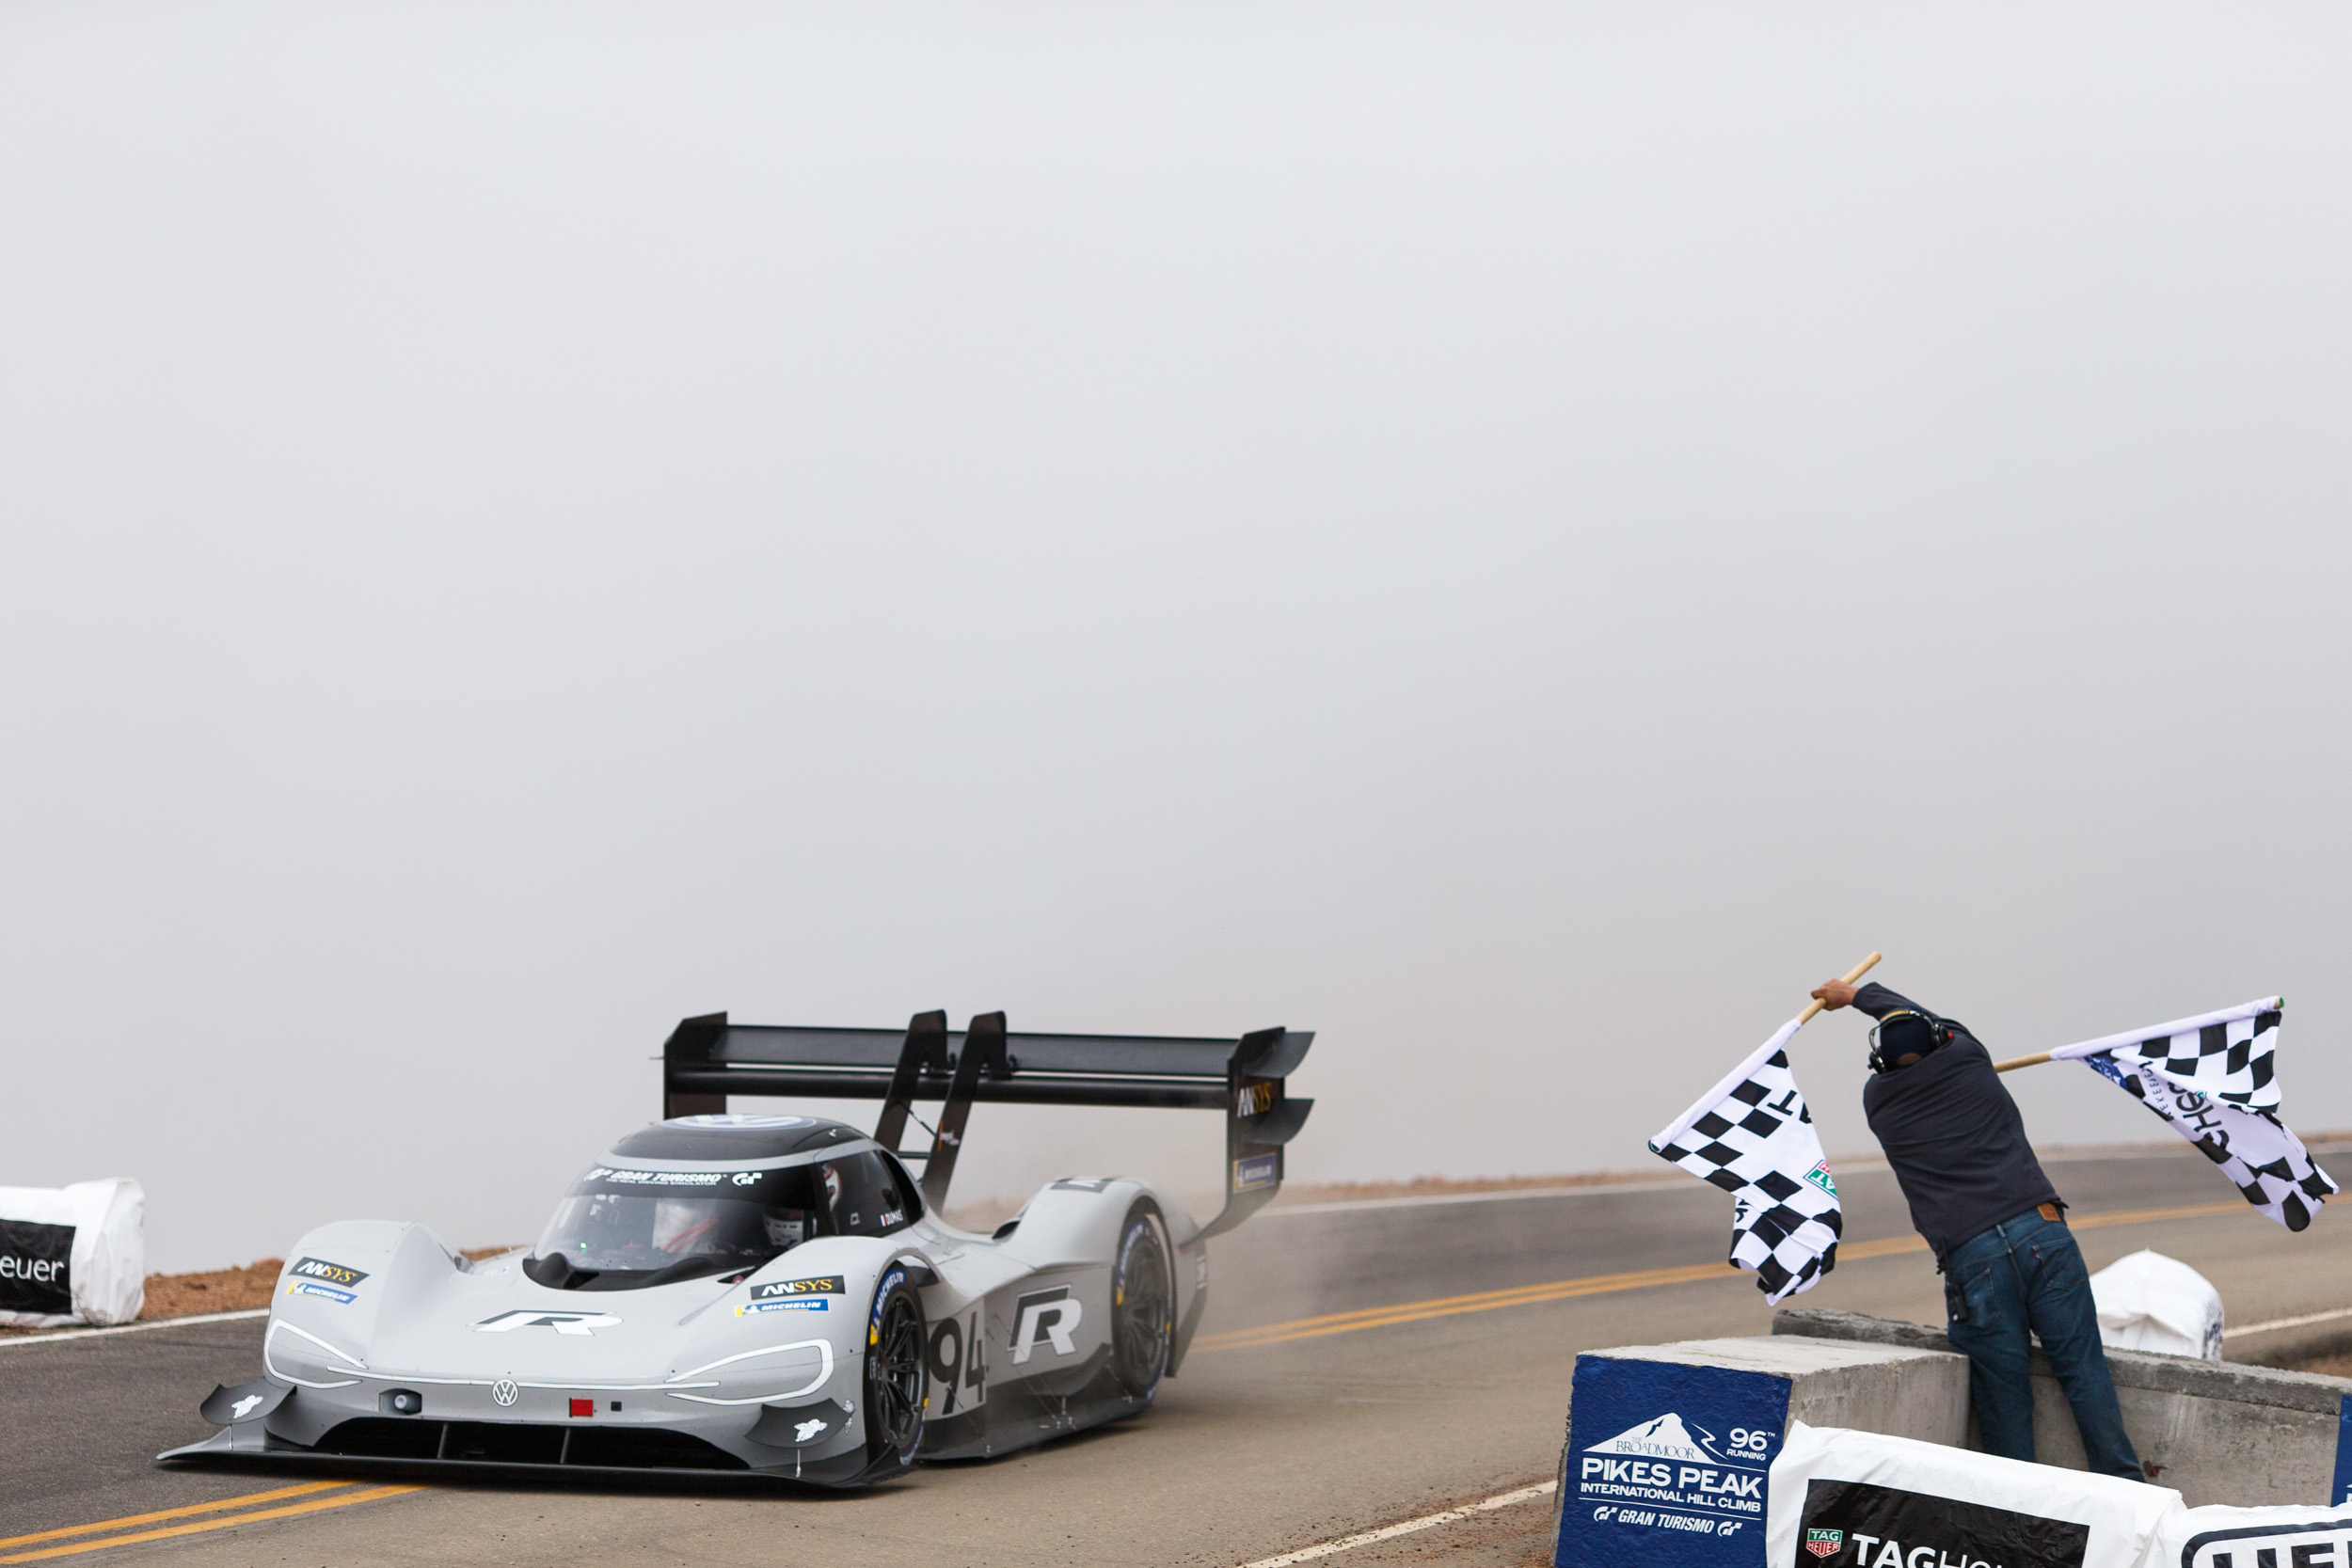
(1953, 1135)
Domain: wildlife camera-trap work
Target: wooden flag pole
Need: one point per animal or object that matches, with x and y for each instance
(1856, 972)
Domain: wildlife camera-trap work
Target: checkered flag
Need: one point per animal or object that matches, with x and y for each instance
(2257, 1152)
(1752, 1137)
(2227, 1056)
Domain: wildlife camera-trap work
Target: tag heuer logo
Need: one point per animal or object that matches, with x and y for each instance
(1824, 1543)
(1819, 1177)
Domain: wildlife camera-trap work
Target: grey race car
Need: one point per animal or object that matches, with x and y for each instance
(775, 1295)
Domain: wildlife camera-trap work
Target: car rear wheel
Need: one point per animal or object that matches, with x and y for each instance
(1143, 1303)
(894, 1374)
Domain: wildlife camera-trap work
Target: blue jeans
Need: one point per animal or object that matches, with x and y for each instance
(2028, 1274)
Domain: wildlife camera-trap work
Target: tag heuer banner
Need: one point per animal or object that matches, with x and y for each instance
(71, 1255)
(1752, 1137)
(1859, 1500)
(2213, 1079)
(2217, 1537)
(1862, 1500)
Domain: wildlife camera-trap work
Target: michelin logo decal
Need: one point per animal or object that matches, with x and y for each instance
(316, 1276)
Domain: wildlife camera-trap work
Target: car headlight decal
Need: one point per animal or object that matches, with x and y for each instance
(825, 1373)
(353, 1364)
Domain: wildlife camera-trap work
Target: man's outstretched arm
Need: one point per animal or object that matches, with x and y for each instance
(1872, 998)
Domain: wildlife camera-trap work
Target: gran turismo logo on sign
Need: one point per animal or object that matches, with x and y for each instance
(1884, 1526)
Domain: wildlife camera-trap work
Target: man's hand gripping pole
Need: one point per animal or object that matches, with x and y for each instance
(1856, 972)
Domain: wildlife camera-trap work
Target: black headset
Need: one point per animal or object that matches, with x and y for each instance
(1939, 1034)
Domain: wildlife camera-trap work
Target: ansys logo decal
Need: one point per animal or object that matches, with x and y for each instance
(562, 1323)
(332, 1274)
(316, 1276)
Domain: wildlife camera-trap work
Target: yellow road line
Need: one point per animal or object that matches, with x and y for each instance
(2141, 1217)
(1604, 1284)
(126, 1522)
(313, 1507)
(1446, 1307)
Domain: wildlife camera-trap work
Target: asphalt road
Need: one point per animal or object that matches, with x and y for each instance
(1362, 1364)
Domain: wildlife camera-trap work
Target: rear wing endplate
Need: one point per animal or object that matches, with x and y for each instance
(708, 1058)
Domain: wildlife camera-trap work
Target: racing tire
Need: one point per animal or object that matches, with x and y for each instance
(1143, 1303)
(895, 1375)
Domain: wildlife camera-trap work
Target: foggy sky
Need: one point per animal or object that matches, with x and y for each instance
(1517, 537)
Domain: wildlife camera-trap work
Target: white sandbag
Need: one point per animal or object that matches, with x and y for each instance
(73, 1255)
(2150, 1302)
(2250, 1537)
(1861, 1499)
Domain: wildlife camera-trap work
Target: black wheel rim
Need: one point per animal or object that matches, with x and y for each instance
(1141, 1311)
(897, 1370)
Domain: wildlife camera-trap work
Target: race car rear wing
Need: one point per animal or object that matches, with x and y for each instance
(708, 1058)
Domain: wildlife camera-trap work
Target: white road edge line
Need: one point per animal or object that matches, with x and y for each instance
(2288, 1322)
(1308, 1554)
(55, 1334)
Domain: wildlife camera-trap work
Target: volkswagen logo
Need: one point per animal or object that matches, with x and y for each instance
(505, 1391)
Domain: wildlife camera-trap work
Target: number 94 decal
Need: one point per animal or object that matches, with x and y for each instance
(958, 1366)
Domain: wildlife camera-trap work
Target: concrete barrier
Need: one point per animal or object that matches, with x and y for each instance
(2217, 1431)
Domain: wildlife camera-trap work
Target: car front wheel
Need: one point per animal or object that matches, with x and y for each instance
(894, 1374)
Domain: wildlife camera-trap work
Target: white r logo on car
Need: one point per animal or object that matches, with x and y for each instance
(1054, 1321)
(562, 1323)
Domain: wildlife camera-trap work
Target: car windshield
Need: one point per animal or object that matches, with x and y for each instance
(622, 1227)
